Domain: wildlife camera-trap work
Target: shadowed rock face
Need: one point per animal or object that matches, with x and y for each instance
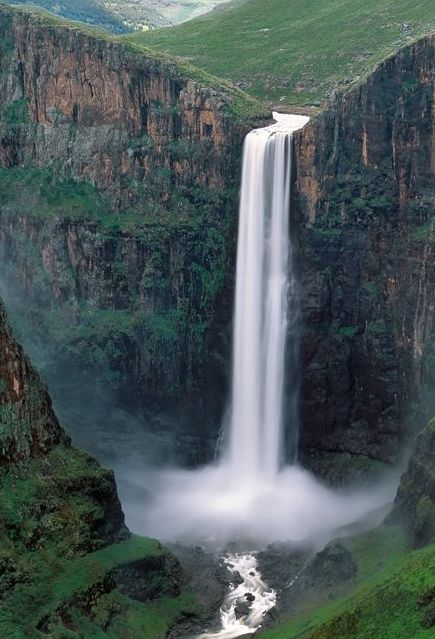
(365, 189)
(148, 313)
(28, 426)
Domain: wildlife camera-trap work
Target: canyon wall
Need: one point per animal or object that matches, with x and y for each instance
(118, 215)
(364, 201)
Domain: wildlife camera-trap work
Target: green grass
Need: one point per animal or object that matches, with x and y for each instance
(394, 597)
(49, 196)
(66, 582)
(56, 571)
(348, 331)
(295, 51)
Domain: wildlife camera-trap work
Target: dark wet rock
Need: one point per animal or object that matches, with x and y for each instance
(204, 574)
(149, 578)
(331, 566)
(242, 609)
(299, 576)
(280, 563)
(237, 579)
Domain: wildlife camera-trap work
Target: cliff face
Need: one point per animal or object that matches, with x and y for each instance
(415, 501)
(28, 426)
(104, 112)
(136, 270)
(364, 202)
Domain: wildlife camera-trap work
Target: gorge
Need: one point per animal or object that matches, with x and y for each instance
(277, 438)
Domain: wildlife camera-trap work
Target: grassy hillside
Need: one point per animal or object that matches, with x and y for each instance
(296, 51)
(394, 597)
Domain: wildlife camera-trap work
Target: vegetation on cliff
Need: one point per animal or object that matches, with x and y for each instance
(397, 602)
(296, 52)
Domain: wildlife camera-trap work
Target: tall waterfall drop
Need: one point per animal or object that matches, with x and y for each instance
(265, 304)
(250, 495)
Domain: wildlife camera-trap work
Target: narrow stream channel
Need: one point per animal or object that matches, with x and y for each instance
(246, 604)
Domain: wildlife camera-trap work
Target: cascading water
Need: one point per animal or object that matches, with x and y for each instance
(265, 292)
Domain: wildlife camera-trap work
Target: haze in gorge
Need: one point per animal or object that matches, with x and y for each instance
(216, 319)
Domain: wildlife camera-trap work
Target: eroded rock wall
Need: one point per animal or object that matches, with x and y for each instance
(162, 152)
(365, 195)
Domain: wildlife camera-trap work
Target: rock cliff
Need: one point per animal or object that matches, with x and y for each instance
(363, 204)
(118, 211)
(415, 501)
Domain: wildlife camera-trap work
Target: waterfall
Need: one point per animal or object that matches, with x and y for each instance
(249, 495)
(265, 308)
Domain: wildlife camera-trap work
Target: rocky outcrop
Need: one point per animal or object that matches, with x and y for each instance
(364, 201)
(67, 560)
(31, 434)
(28, 427)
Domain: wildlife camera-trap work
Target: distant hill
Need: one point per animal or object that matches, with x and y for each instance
(295, 51)
(138, 14)
(121, 16)
(88, 11)
(177, 11)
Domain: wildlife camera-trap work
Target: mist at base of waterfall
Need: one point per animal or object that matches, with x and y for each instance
(208, 507)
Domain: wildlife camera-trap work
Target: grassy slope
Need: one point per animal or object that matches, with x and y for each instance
(45, 508)
(394, 597)
(270, 48)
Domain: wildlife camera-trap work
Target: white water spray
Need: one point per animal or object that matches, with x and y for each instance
(252, 589)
